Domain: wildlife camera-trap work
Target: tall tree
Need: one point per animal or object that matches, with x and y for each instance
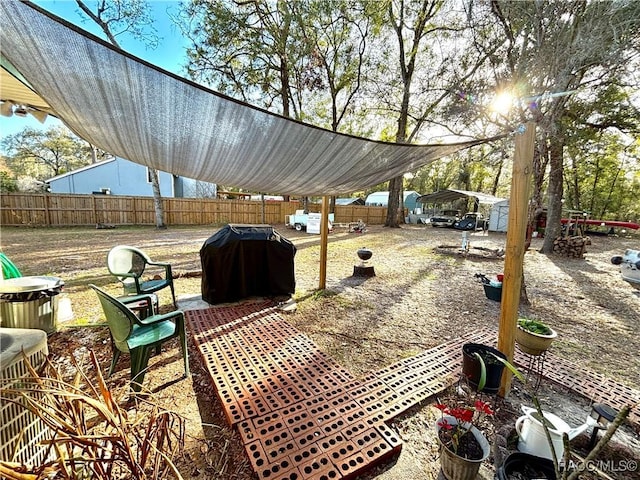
(302, 59)
(42, 154)
(249, 50)
(435, 54)
(409, 21)
(554, 53)
(338, 37)
(117, 17)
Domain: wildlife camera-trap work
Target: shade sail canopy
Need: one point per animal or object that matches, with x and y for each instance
(136, 111)
(450, 195)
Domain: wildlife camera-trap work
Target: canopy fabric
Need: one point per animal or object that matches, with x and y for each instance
(139, 112)
(450, 195)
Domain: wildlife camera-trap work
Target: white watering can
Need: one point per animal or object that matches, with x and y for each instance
(532, 439)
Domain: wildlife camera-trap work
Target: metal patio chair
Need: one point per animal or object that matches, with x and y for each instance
(138, 337)
(128, 264)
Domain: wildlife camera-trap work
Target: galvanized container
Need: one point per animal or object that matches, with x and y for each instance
(30, 302)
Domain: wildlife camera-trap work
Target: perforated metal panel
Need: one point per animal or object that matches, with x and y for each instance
(21, 431)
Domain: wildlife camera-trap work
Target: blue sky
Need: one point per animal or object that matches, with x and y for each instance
(170, 53)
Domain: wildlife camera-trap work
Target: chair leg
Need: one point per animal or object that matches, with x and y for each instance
(115, 354)
(183, 345)
(173, 295)
(114, 360)
(139, 362)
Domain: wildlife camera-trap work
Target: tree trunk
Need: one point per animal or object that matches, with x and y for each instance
(153, 173)
(157, 199)
(395, 186)
(555, 190)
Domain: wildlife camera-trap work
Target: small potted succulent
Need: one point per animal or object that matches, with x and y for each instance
(533, 336)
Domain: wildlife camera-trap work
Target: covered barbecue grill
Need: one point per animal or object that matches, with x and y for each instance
(241, 261)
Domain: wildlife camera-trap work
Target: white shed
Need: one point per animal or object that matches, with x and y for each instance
(499, 216)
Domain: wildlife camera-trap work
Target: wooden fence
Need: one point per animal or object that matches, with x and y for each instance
(68, 210)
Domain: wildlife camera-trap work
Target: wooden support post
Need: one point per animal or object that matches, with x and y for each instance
(514, 252)
(324, 239)
(47, 213)
(95, 210)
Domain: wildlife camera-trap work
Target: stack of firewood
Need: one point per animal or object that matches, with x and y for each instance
(572, 247)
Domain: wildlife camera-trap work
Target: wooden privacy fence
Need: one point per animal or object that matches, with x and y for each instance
(53, 209)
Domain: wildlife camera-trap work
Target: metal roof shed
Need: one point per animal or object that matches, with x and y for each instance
(381, 199)
(499, 216)
(451, 195)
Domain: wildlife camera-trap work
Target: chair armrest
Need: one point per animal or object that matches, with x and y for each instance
(147, 298)
(165, 265)
(177, 314)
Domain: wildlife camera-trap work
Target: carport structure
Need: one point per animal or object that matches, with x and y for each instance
(451, 195)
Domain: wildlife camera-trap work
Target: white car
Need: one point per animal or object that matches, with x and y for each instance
(629, 266)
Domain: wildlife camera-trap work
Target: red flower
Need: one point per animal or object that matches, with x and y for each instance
(442, 423)
(483, 407)
(465, 415)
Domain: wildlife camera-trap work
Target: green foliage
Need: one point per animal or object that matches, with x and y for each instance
(123, 17)
(534, 326)
(7, 182)
(42, 154)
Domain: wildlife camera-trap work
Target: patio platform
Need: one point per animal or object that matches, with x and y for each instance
(303, 416)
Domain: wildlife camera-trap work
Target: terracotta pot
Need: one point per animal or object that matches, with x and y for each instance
(455, 467)
(534, 343)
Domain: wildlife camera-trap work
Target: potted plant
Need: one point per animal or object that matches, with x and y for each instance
(533, 336)
(481, 368)
(525, 466)
(463, 447)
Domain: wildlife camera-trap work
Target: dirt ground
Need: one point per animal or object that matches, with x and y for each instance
(418, 299)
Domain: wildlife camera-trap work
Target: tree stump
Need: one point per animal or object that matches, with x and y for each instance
(362, 271)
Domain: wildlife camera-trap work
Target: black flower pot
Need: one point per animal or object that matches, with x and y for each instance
(471, 367)
(525, 466)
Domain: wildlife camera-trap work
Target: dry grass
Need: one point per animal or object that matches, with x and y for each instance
(418, 299)
(92, 435)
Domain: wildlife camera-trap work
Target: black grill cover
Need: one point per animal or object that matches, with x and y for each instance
(241, 261)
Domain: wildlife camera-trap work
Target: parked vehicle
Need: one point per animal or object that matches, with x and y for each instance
(472, 221)
(629, 266)
(446, 218)
(300, 220)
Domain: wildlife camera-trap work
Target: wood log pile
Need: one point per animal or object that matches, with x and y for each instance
(572, 247)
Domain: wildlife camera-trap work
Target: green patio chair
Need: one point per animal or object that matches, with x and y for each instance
(128, 264)
(138, 337)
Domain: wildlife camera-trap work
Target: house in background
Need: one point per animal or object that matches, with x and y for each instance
(118, 176)
(381, 199)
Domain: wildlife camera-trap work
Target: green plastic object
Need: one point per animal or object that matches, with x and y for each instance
(9, 270)
(140, 336)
